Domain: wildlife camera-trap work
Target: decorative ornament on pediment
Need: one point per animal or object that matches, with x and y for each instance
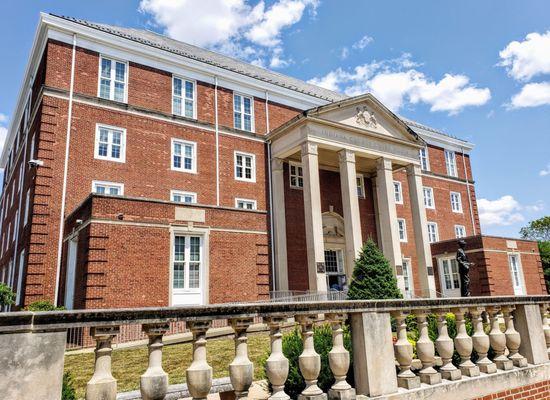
(365, 117)
(333, 224)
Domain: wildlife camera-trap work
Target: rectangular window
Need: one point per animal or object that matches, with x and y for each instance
(16, 226)
(424, 159)
(398, 192)
(450, 163)
(187, 259)
(183, 97)
(456, 202)
(111, 188)
(245, 204)
(113, 77)
(296, 174)
(517, 274)
(451, 275)
(110, 143)
(407, 278)
(360, 185)
(429, 201)
(27, 206)
(243, 113)
(184, 156)
(183, 197)
(460, 231)
(433, 235)
(21, 170)
(31, 152)
(402, 228)
(20, 276)
(245, 167)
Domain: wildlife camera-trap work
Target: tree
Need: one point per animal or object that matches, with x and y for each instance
(373, 276)
(539, 230)
(7, 296)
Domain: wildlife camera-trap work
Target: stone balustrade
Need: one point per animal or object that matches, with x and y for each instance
(514, 330)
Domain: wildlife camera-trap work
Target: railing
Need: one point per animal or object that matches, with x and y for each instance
(382, 363)
(302, 296)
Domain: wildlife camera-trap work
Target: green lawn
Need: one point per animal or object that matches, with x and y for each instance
(129, 364)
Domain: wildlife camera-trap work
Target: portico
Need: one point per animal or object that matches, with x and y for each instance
(351, 137)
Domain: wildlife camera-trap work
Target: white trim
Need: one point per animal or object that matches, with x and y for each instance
(432, 197)
(108, 184)
(253, 172)
(458, 195)
(113, 60)
(462, 228)
(399, 191)
(399, 221)
(427, 156)
(450, 162)
(436, 231)
(297, 175)
(108, 157)
(249, 201)
(454, 290)
(183, 142)
(182, 193)
(252, 122)
(183, 98)
(407, 265)
(521, 277)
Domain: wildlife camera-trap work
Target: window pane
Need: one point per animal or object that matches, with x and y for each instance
(177, 106)
(113, 190)
(105, 89)
(120, 72)
(237, 103)
(115, 151)
(177, 86)
(194, 249)
(102, 149)
(100, 189)
(119, 91)
(179, 248)
(105, 68)
(247, 123)
(179, 275)
(188, 108)
(189, 90)
(177, 148)
(238, 121)
(194, 275)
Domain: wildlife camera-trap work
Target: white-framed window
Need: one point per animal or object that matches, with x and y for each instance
(450, 275)
(20, 277)
(187, 262)
(398, 191)
(184, 156)
(456, 202)
(424, 159)
(31, 152)
(245, 167)
(110, 143)
(360, 185)
(407, 279)
(450, 163)
(112, 188)
(21, 170)
(245, 204)
(460, 231)
(243, 112)
(516, 272)
(27, 207)
(183, 97)
(296, 175)
(433, 234)
(113, 79)
(402, 229)
(183, 197)
(429, 200)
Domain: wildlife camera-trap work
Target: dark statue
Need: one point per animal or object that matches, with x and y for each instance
(463, 269)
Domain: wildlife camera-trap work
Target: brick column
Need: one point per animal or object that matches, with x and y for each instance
(313, 219)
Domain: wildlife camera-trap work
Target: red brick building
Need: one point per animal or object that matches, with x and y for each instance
(142, 171)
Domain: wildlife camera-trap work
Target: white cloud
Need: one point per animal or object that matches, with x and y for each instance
(362, 43)
(3, 118)
(545, 171)
(232, 27)
(528, 58)
(397, 81)
(531, 95)
(344, 53)
(504, 211)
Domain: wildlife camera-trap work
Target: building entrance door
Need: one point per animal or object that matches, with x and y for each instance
(71, 272)
(517, 276)
(187, 270)
(334, 263)
(450, 277)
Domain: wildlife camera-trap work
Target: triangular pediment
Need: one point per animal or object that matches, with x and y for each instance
(366, 113)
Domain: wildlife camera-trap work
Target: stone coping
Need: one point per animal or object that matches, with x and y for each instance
(26, 321)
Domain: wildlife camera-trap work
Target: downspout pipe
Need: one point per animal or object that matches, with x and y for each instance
(217, 141)
(65, 173)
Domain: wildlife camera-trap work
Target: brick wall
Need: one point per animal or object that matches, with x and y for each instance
(539, 390)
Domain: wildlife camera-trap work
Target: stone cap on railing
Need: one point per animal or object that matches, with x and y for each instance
(26, 321)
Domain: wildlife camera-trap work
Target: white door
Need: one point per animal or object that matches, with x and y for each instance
(450, 277)
(407, 279)
(517, 275)
(334, 267)
(187, 270)
(71, 272)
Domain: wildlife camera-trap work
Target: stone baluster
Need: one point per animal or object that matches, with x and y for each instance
(545, 325)
(309, 361)
(498, 340)
(464, 344)
(481, 342)
(154, 382)
(426, 352)
(404, 354)
(277, 364)
(445, 348)
(199, 373)
(102, 385)
(339, 361)
(241, 369)
(513, 338)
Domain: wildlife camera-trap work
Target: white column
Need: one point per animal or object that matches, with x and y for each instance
(387, 215)
(279, 225)
(313, 219)
(350, 204)
(420, 227)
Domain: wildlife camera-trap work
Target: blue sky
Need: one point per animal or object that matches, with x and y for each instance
(478, 70)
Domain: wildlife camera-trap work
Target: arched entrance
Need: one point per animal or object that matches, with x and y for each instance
(335, 251)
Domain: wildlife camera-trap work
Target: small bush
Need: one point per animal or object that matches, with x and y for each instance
(293, 347)
(7, 296)
(68, 391)
(43, 305)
